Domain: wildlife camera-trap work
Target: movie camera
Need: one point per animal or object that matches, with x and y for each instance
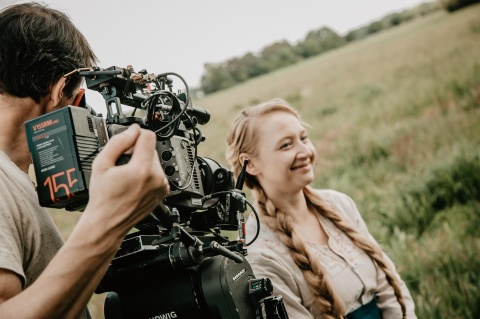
(177, 263)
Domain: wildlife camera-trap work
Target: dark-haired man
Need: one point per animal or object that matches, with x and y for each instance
(40, 276)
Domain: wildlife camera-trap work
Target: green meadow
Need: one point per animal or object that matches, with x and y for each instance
(395, 118)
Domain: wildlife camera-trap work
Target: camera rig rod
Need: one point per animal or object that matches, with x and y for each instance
(193, 251)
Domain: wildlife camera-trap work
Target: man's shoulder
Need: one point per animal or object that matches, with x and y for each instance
(15, 185)
(10, 173)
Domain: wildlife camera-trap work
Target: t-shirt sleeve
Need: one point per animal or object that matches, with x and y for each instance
(11, 250)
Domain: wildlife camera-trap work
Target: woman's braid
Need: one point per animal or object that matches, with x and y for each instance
(326, 300)
(371, 248)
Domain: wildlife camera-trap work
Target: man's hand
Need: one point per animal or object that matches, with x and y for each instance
(120, 197)
(126, 194)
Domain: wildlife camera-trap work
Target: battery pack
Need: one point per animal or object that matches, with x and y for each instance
(63, 145)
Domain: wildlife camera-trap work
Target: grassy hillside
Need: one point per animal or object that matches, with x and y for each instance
(396, 122)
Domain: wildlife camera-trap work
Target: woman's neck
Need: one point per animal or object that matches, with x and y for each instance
(293, 204)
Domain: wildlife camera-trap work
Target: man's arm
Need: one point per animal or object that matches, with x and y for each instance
(10, 284)
(120, 197)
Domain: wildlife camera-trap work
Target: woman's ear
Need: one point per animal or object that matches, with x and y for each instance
(251, 168)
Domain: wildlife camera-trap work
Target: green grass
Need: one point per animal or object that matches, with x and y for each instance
(396, 122)
(395, 119)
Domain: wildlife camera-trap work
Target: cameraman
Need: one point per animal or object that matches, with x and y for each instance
(40, 276)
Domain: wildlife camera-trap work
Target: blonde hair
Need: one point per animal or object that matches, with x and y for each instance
(242, 139)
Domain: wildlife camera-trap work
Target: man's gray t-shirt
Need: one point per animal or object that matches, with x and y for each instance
(28, 237)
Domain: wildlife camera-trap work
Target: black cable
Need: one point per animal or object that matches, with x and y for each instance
(175, 122)
(258, 223)
(151, 103)
(257, 218)
(197, 135)
(189, 100)
(176, 112)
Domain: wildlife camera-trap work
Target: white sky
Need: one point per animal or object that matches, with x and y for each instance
(181, 35)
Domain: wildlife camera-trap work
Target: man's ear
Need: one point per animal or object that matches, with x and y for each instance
(56, 92)
(251, 168)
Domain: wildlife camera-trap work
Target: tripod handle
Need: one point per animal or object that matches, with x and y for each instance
(213, 248)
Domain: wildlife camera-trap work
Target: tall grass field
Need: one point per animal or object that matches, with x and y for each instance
(395, 119)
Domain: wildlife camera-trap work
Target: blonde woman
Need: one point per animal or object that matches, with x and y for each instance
(313, 244)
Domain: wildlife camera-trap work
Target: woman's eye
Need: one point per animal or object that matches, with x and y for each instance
(304, 138)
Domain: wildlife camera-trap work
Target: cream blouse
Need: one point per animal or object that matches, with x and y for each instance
(353, 275)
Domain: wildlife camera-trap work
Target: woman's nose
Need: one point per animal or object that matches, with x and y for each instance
(305, 150)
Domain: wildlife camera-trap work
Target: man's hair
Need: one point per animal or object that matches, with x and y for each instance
(38, 45)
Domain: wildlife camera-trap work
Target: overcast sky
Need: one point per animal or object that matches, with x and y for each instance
(182, 35)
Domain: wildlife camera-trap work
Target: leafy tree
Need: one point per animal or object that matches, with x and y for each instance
(237, 70)
(218, 76)
(427, 7)
(254, 65)
(279, 54)
(246, 67)
(319, 41)
(374, 27)
(392, 20)
(215, 78)
(357, 34)
(454, 5)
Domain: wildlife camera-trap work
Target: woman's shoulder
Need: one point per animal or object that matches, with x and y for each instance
(332, 195)
(267, 243)
(341, 203)
(336, 198)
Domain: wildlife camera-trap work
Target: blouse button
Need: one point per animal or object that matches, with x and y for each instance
(354, 265)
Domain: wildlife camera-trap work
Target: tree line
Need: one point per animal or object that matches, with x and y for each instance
(222, 75)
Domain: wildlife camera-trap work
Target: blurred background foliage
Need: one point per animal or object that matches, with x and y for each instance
(219, 76)
(394, 109)
(395, 118)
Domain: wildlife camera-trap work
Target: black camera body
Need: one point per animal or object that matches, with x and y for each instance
(177, 264)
